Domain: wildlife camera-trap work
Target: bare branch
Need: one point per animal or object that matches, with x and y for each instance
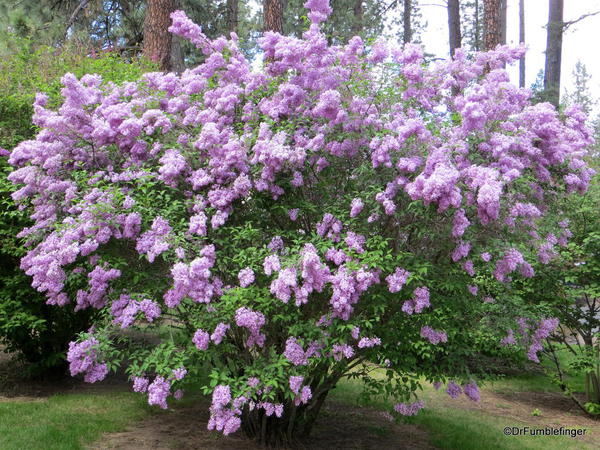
(82, 4)
(579, 19)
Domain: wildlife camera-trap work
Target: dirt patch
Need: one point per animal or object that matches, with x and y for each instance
(339, 427)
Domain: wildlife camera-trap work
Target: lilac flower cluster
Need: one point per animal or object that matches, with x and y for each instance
(409, 409)
(125, 310)
(418, 303)
(253, 321)
(512, 260)
(433, 336)
(356, 207)
(222, 417)
(544, 330)
(396, 280)
(82, 357)
(295, 353)
(369, 342)
(194, 279)
(246, 277)
(158, 391)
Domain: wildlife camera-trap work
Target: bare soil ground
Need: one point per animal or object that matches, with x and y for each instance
(340, 427)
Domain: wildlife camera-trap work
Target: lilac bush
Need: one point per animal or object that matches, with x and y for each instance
(281, 229)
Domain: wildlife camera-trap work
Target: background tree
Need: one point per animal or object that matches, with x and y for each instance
(232, 15)
(358, 18)
(522, 41)
(349, 18)
(472, 24)
(407, 21)
(158, 42)
(492, 35)
(454, 25)
(554, 39)
(581, 94)
(273, 15)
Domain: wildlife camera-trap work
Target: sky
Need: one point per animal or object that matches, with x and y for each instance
(579, 41)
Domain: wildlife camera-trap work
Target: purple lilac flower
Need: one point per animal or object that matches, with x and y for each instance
(419, 301)
(158, 392)
(97, 372)
(221, 395)
(293, 214)
(219, 333)
(253, 321)
(140, 384)
(246, 277)
(271, 264)
(453, 389)
(295, 353)
(356, 207)
(409, 409)
(396, 280)
(179, 373)
(472, 391)
(369, 342)
(433, 336)
(509, 339)
(296, 383)
(201, 339)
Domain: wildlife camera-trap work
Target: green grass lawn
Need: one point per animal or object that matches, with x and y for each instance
(66, 421)
(455, 428)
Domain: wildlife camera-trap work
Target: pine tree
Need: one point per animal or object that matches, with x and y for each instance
(581, 94)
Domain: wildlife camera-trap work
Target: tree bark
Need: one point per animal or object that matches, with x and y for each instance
(157, 45)
(554, 51)
(477, 27)
(273, 15)
(503, 19)
(492, 34)
(232, 15)
(406, 21)
(454, 25)
(522, 41)
(359, 13)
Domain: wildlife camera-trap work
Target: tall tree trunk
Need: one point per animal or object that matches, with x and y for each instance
(491, 22)
(454, 25)
(522, 41)
(359, 15)
(273, 15)
(232, 15)
(554, 51)
(406, 19)
(503, 19)
(477, 27)
(157, 39)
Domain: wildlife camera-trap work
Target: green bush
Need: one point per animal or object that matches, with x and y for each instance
(37, 332)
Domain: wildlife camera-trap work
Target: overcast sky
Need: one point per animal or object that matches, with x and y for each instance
(580, 42)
